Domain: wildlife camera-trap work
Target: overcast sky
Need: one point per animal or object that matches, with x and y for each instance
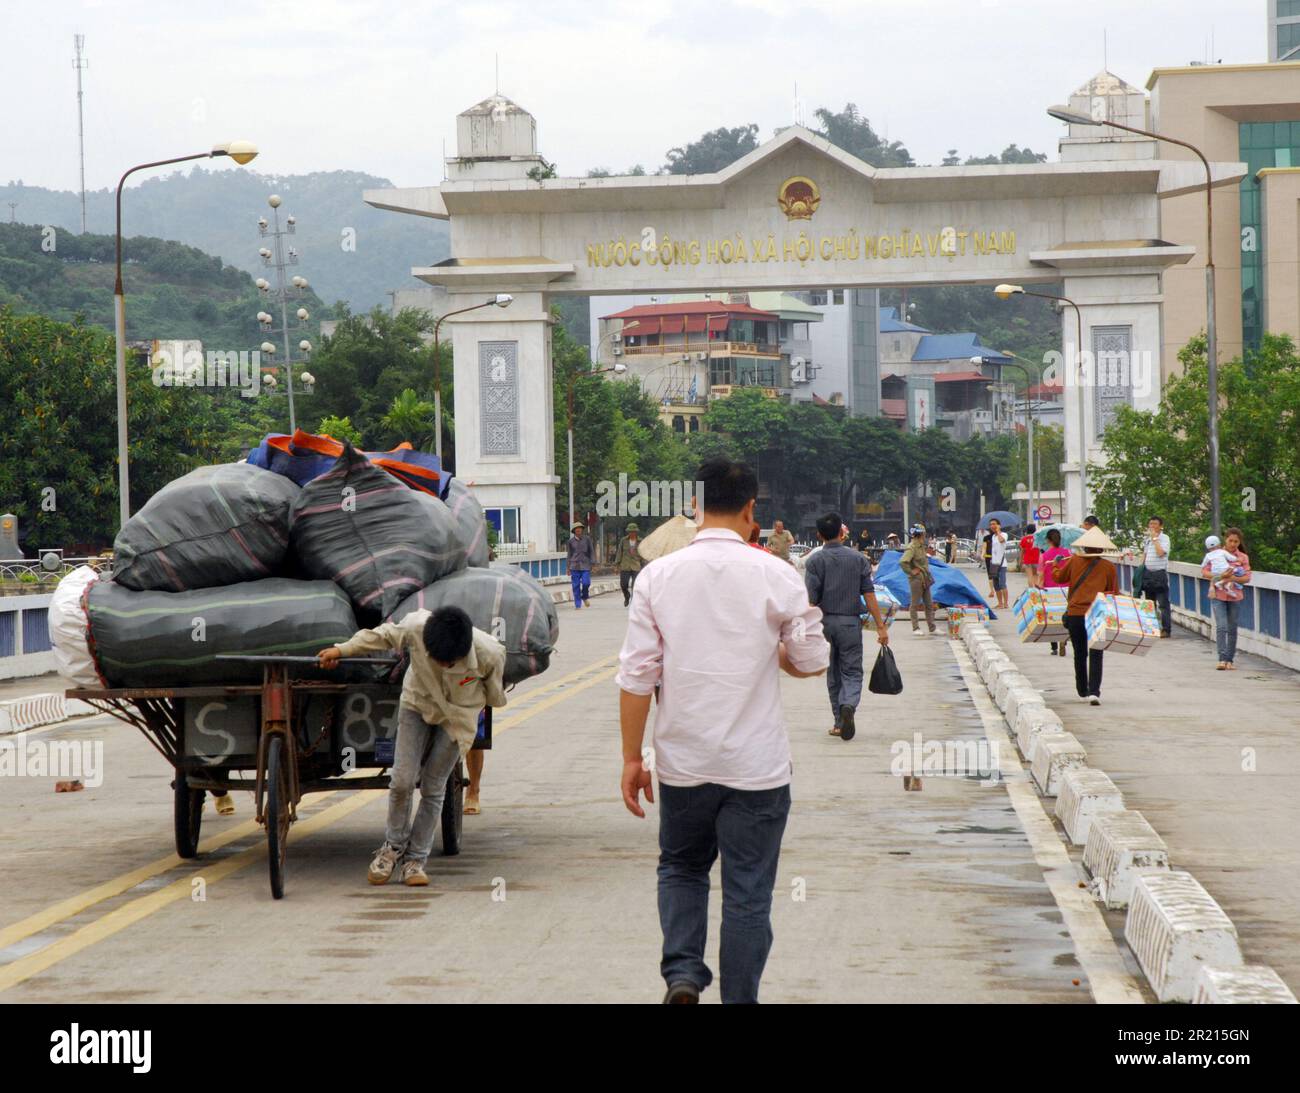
(365, 85)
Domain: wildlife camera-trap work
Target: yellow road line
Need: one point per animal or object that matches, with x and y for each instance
(553, 700)
(74, 905)
(137, 909)
(546, 697)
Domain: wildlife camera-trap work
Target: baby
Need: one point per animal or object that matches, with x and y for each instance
(1223, 565)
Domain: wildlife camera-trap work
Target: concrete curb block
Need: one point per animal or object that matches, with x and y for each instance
(1005, 683)
(1119, 846)
(1183, 940)
(1251, 983)
(1083, 795)
(1033, 718)
(30, 712)
(1054, 754)
(1175, 928)
(1019, 698)
(565, 595)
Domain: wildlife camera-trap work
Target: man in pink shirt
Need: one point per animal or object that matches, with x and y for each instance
(710, 627)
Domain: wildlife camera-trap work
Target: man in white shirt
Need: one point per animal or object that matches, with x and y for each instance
(1155, 571)
(710, 627)
(995, 559)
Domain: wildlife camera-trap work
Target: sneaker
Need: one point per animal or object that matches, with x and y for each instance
(847, 728)
(413, 874)
(682, 993)
(1094, 700)
(383, 864)
(225, 804)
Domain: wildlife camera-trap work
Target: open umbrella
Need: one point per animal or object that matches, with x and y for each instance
(672, 534)
(1069, 532)
(1006, 519)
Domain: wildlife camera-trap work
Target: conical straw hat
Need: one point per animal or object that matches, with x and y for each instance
(1095, 537)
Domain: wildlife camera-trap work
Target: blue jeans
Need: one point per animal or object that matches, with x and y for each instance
(1225, 628)
(580, 579)
(844, 673)
(695, 823)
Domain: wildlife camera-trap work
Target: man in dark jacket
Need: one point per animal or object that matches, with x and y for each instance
(838, 580)
(580, 559)
(627, 561)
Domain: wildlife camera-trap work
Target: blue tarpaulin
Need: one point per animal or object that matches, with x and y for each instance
(951, 586)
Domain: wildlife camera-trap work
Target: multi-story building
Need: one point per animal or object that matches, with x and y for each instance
(845, 364)
(685, 353)
(1245, 113)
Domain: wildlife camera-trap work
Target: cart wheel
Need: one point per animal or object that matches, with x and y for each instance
(188, 816)
(277, 813)
(453, 810)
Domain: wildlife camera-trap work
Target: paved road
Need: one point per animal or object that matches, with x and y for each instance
(1210, 759)
(959, 893)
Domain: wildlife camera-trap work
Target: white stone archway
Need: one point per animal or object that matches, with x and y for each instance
(795, 213)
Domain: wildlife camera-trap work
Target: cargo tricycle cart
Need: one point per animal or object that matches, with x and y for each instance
(296, 732)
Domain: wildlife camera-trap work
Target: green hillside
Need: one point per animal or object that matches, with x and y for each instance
(172, 291)
(348, 251)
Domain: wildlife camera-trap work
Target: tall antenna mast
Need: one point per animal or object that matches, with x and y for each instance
(79, 63)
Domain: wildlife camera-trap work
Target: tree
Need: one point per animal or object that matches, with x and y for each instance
(366, 365)
(713, 151)
(1158, 463)
(1010, 154)
(410, 418)
(58, 430)
(849, 130)
(340, 428)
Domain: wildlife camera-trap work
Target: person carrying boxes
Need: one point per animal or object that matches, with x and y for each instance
(1088, 574)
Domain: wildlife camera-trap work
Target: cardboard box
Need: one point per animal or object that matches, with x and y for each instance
(961, 613)
(1040, 615)
(1121, 624)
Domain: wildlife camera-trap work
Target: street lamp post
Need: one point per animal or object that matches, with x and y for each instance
(1004, 292)
(618, 368)
(502, 299)
(1064, 113)
(242, 152)
(1029, 420)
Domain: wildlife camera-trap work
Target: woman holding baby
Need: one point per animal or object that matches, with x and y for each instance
(1228, 568)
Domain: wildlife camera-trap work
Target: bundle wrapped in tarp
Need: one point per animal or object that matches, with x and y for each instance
(471, 526)
(950, 588)
(213, 526)
(380, 541)
(159, 639)
(69, 631)
(505, 602)
(305, 456)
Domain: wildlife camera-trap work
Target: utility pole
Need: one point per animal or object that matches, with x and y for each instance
(79, 63)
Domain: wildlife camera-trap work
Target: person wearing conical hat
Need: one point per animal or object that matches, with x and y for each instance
(1088, 573)
(627, 561)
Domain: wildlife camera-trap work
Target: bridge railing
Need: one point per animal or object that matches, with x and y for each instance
(1268, 622)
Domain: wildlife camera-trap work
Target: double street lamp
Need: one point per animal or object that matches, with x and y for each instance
(501, 299)
(618, 368)
(1065, 114)
(1005, 292)
(242, 152)
(1029, 418)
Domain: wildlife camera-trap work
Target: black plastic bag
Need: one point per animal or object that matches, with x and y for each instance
(885, 676)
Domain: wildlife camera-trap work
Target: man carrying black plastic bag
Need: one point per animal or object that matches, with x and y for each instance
(839, 581)
(455, 671)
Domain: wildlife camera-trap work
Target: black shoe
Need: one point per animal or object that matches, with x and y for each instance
(682, 993)
(847, 728)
